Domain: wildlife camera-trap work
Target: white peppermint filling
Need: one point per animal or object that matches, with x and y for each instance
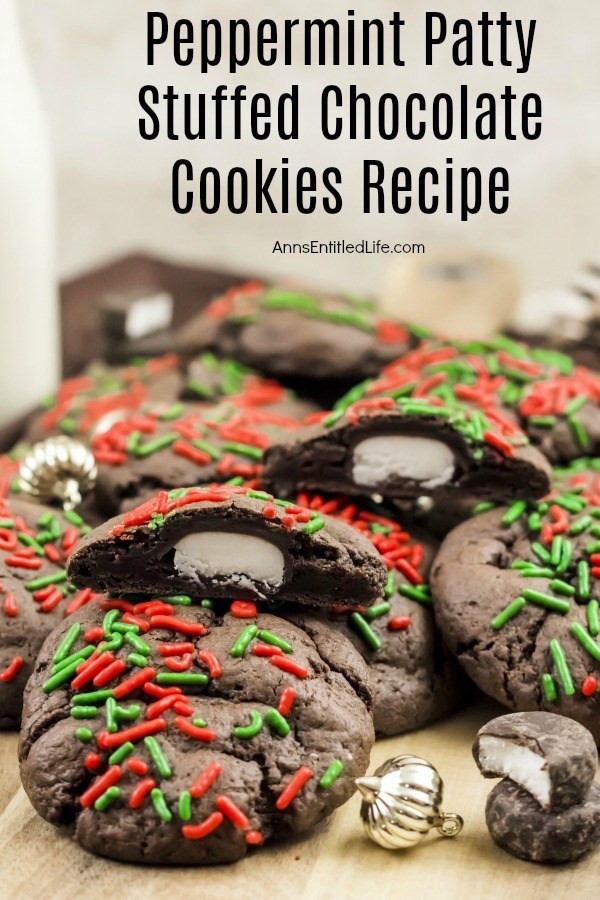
(241, 559)
(421, 459)
(526, 768)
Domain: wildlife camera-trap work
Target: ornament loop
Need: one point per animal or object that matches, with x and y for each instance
(450, 824)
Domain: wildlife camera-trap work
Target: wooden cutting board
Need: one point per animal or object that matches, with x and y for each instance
(335, 861)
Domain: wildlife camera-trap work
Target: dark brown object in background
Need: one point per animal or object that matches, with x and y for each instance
(191, 287)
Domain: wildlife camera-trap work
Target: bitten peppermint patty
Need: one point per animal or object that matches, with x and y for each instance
(212, 541)
(435, 422)
(291, 333)
(415, 680)
(517, 598)
(35, 594)
(161, 732)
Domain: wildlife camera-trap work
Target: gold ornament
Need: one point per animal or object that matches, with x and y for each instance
(59, 468)
(402, 803)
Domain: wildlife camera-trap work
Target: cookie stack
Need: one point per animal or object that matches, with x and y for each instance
(241, 640)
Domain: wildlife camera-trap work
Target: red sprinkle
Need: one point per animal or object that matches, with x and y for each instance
(140, 791)
(243, 609)
(499, 443)
(266, 650)
(201, 734)
(289, 665)
(398, 623)
(137, 765)
(589, 686)
(106, 741)
(92, 761)
(286, 698)
(107, 674)
(293, 787)
(135, 681)
(91, 668)
(155, 690)
(94, 634)
(253, 837)
(232, 812)
(215, 669)
(194, 832)
(51, 553)
(205, 780)
(110, 777)
(81, 598)
(193, 628)
(159, 706)
(176, 649)
(11, 670)
(10, 605)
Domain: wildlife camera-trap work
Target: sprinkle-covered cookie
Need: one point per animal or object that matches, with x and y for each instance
(290, 333)
(517, 598)
(435, 422)
(161, 732)
(215, 540)
(103, 395)
(415, 680)
(34, 591)
(163, 450)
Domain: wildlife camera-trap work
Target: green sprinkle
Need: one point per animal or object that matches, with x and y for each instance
(583, 579)
(259, 495)
(542, 421)
(28, 541)
(513, 512)
(95, 697)
(545, 600)
(534, 522)
(580, 525)
(508, 612)
(73, 518)
(556, 550)
(575, 404)
(111, 718)
(571, 503)
(115, 643)
(482, 507)
(38, 583)
(389, 585)
(244, 639)
(83, 712)
(536, 572)
(61, 676)
(84, 735)
(549, 688)
(585, 640)
(107, 798)
(136, 659)
(314, 525)
(160, 443)
(67, 642)
(158, 757)
(269, 638)
(199, 723)
(376, 611)
(207, 603)
(593, 618)
(182, 678)
(594, 547)
(276, 722)
(137, 643)
(578, 432)
(245, 732)
(561, 587)
(79, 655)
(332, 418)
(178, 600)
(172, 413)
(199, 388)
(184, 806)
(121, 753)
(366, 632)
(331, 774)
(414, 593)
(158, 801)
(560, 661)
(109, 620)
(123, 628)
(541, 552)
(243, 450)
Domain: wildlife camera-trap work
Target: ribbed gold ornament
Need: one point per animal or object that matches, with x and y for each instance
(402, 803)
(58, 468)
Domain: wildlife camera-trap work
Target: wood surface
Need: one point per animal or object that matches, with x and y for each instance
(335, 862)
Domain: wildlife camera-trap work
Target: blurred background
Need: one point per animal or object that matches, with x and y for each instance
(114, 188)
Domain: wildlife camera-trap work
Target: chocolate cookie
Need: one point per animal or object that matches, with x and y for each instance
(410, 433)
(519, 825)
(103, 395)
(168, 734)
(221, 539)
(415, 680)
(551, 757)
(34, 592)
(517, 598)
(289, 333)
(143, 454)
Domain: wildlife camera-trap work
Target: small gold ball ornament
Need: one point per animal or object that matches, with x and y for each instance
(59, 468)
(402, 803)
